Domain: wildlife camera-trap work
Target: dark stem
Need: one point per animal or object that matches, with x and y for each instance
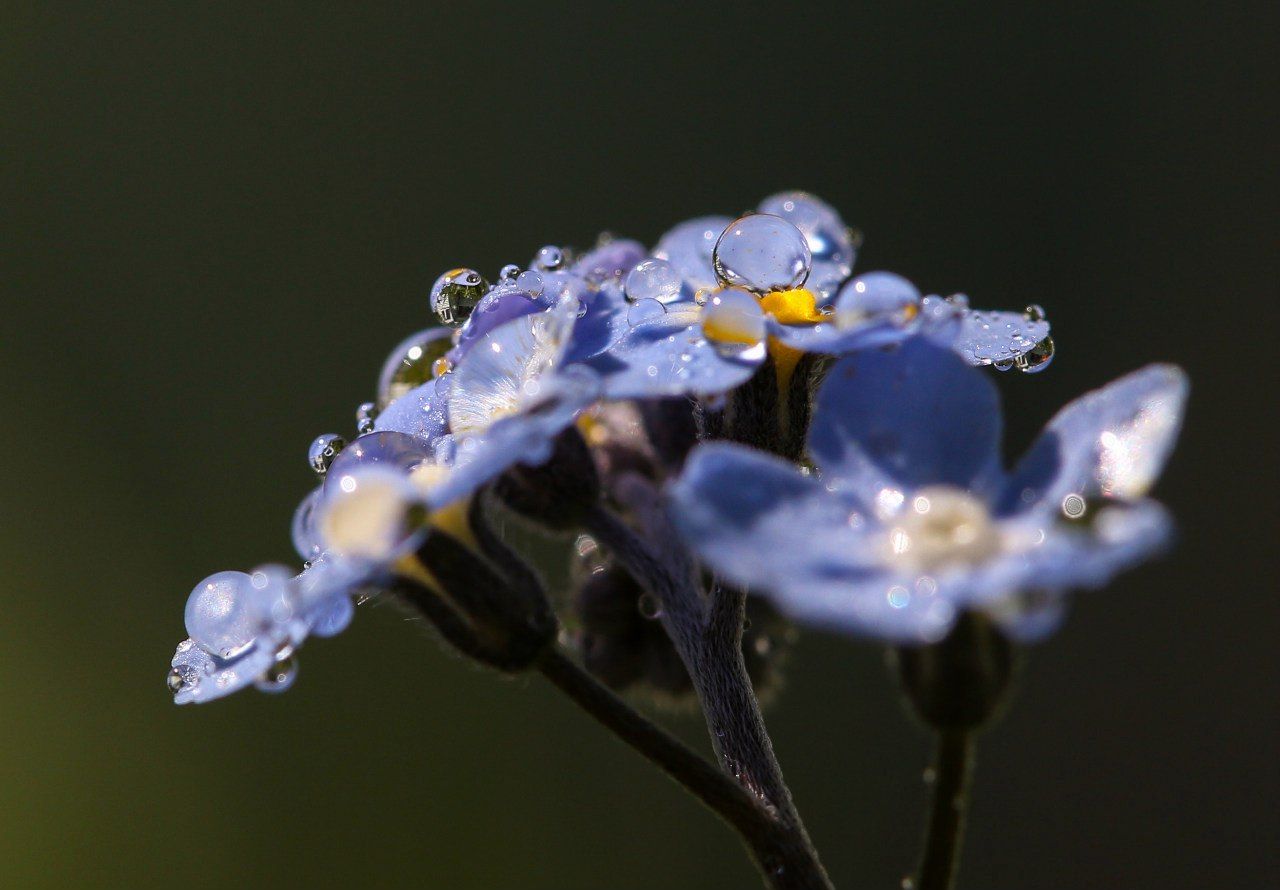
(708, 637)
(944, 836)
(770, 843)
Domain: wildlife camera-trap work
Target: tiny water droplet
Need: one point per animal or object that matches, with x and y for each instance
(509, 272)
(366, 417)
(1004, 364)
(1034, 312)
(323, 450)
(649, 606)
(455, 294)
(440, 367)
(591, 559)
(1037, 359)
(175, 681)
(549, 259)
(281, 674)
(531, 283)
(762, 253)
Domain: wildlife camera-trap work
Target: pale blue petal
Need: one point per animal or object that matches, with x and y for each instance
(904, 418)
(1112, 442)
(421, 413)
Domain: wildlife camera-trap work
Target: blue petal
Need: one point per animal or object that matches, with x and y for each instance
(901, 419)
(668, 356)
(206, 677)
(602, 324)
(609, 261)
(1112, 442)
(688, 248)
(990, 338)
(523, 438)
(421, 413)
(827, 338)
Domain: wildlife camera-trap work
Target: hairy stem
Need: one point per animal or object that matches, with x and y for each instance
(944, 835)
(708, 637)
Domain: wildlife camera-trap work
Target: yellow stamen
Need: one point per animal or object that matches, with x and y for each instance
(593, 431)
(797, 306)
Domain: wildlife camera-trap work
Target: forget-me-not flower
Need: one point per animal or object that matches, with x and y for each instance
(908, 516)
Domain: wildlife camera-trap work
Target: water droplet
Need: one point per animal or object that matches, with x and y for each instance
(549, 259)
(649, 606)
(366, 417)
(1037, 359)
(455, 294)
(733, 321)
(653, 280)
(645, 310)
(959, 300)
(762, 253)
(1074, 507)
(281, 674)
(323, 450)
(1003, 364)
(531, 283)
(175, 681)
(218, 617)
(1034, 312)
(440, 367)
(409, 364)
(877, 297)
(509, 272)
(831, 242)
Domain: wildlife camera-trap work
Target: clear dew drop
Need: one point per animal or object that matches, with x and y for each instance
(762, 253)
(1034, 312)
(175, 681)
(734, 323)
(645, 310)
(509, 272)
(591, 559)
(455, 294)
(649, 607)
(366, 417)
(1004, 364)
(411, 364)
(653, 280)
(281, 674)
(877, 297)
(1037, 358)
(531, 283)
(549, 259)
(218, 615)
(324, 448)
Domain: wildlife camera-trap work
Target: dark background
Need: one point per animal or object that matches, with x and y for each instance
(218, 218)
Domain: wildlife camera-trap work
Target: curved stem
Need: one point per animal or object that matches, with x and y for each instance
(709, 642)
(944, 836)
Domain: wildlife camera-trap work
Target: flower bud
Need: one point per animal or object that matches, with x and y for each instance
(961, 681)
(558, 492)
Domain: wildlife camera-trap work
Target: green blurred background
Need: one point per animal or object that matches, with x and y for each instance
(219, 217)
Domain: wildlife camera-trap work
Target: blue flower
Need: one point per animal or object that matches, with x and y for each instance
(245, 627)
(907, 517)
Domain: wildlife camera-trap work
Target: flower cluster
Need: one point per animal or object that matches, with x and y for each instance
(827, 440)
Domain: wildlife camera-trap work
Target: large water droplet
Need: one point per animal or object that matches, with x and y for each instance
(653, 280)
(455, 294)
(175, 681)
(875, 297)
(830, 240)
(410, 364)
(218, 616)
(1037, 359)
(324, 448)
(733, 321)
(762, 253)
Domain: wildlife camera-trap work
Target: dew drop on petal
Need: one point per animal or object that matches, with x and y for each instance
(653, 280)
(877, 297)
(218, 616)
(324, 448)
(281, 674)
(1034, 312)
(733, 321)
(509, 272)
(645, 310)
(762, 253)
(1037, 358)
(455, 294)
(366, 417)
(549, 259)
(410, 364)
